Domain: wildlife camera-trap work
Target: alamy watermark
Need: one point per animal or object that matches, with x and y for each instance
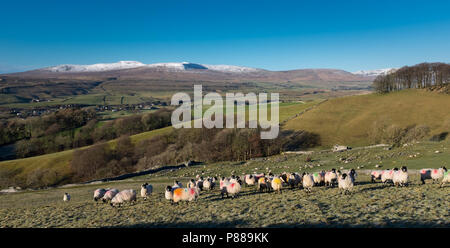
(213, 116)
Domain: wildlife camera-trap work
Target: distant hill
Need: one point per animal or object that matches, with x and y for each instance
(350, 120)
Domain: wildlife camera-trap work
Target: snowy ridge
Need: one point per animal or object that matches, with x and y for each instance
(374, 73)
(183, 66)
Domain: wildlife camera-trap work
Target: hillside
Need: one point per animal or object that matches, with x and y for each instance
(348, 120)
(56, 166)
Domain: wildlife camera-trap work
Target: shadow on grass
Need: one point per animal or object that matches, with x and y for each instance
(246, 224)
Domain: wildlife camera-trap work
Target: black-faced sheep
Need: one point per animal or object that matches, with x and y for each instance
(400, 177)
(98, 194)
(233, 187)
(146, 190)
(446, 177)
(345, 183)
(434, 174)
(109, 195)
(66, 197)
(184, 194)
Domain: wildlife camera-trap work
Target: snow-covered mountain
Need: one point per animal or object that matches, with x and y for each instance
(374, 73)
(95, 67)
(183, 66)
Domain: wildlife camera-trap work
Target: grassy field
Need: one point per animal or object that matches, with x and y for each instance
(347, 120)
(368, 205)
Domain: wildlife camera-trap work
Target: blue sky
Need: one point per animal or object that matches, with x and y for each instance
(275, 35)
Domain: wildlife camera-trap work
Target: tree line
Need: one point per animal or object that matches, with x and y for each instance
(418, 76)
(181, 145)
(47, 134)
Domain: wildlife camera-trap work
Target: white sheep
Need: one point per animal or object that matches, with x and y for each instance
(307, 181)
(232, 188)
(109, 194)
(434, 174)
(400, 177)
(277, 184)
(169, 193)
(128, 195)
(98, 194)
(146, 190)
(249, 180)
(345, 183)
(207, 184)
(376, 175)
(318, 178)
(388, 175)
(331, 177)
(191, 183)
(184, 194)
(66, 197)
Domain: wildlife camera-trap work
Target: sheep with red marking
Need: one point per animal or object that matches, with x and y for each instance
(233, 187)
(109, 194)
(184, 194)
(128, 195)
(388, 175)
(331, 178)
(376, 175)
(434, 174)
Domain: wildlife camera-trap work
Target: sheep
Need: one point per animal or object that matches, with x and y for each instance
(434, 174)
(400, 177)
(177, 184)
(109, 195)
(98, 194)
(146, 190)
(294, 180)
(331, 177)
(184, 194)
(249, 180)
(191, 183)
(388, 175)
(352, 174)
(128, 195)
(168, 194)
(277, 184)
(233, 187)
(446, 177)
(199, 183)
(345, 183)
(207, 184)
(263, 184)
(376, 175)
(223, 183)
(66, 197)
(318, 177)
(307, 182)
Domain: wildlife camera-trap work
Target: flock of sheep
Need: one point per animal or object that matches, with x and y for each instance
(232, 185)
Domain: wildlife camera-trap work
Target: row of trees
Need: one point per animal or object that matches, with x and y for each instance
(181, 145)
(92, 132)
(418, 76)
(34, 127)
